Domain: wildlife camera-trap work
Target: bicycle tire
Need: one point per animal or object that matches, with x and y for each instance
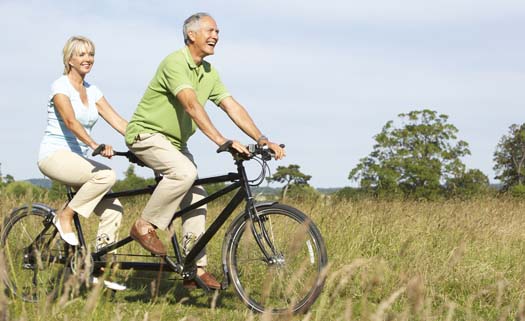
(290, 286)
(35, 256)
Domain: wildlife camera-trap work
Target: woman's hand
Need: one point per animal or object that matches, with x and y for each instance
(107, 151)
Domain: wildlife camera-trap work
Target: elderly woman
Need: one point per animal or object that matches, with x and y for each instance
(73, 108)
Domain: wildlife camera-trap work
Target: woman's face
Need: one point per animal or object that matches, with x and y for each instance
(82, 60)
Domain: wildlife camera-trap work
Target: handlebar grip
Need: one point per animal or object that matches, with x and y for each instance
(98, 150)
(225, 147)
(129, 155)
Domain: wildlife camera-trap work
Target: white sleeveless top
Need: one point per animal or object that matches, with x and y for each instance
(57, 136)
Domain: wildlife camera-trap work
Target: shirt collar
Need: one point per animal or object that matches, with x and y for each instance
(189, 59)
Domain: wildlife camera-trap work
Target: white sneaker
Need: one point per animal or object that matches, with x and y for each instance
(110, 285)
(70, 237)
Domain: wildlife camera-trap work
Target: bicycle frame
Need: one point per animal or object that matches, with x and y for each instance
(282, 274)
(186, 266)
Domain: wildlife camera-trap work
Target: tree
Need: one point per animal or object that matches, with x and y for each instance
(5, 180)
(473, 182)
(57, 191)
(132, 181)
(351, 193)
(302, 192)
(9, 179)
(510, 157)
(289, 175)
(414, 159)
(24, 189)
(214, 187)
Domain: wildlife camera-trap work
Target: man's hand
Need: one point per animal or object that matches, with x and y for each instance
(240, 148)
(277, 149)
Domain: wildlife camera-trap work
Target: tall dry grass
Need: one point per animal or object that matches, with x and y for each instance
(388, 260)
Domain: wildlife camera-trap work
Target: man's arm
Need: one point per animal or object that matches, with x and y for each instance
(242, 119)
(191, 105)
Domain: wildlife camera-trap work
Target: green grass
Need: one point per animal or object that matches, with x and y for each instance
(389, 260)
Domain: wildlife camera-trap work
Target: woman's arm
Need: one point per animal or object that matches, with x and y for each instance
(65, 109)
(111, 116)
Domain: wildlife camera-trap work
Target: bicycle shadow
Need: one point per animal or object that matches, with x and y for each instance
(146, 287)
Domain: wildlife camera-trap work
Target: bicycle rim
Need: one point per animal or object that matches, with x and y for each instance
(34, 255)
(294, 278)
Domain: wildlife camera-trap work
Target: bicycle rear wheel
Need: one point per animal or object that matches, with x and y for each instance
(34, 255)
(292, 279)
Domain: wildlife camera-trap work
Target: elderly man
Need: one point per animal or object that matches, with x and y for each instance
(168, 114)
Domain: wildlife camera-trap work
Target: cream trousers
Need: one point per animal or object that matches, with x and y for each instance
(175, 189)
(91, 180)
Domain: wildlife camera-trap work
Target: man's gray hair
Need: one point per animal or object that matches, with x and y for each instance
(192, 24)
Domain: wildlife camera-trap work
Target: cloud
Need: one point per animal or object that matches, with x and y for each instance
(322, 77)
(405, 11)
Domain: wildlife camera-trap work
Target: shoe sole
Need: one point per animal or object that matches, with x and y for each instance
(194, 286)
(110, 285)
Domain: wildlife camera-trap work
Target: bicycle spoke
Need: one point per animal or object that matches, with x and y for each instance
(33, 254)
(291, 279)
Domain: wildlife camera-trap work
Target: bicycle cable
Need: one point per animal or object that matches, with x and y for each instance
(264, 170)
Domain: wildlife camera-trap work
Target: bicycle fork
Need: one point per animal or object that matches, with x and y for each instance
(262, 236)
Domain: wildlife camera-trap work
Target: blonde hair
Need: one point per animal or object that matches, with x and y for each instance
(75, 45)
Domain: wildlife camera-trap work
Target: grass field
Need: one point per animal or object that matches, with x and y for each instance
(389, 260)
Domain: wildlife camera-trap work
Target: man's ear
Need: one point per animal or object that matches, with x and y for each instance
(191, 35)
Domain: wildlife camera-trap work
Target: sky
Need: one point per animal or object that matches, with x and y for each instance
(322, 77)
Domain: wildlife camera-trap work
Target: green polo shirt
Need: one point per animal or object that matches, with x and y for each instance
(160, 111)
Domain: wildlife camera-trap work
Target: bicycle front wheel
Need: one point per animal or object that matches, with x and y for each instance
(291, 279)
(35, 256)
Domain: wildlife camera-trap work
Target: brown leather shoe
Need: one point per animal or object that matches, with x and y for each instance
(150, 241)
(207, 278)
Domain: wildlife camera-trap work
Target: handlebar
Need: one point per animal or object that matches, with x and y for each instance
(255, 150)
(129, 155)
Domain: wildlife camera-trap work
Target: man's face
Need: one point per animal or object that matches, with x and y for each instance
(205, 39)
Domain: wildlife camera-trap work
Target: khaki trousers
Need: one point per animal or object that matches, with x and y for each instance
(175, 189)
(91, 180)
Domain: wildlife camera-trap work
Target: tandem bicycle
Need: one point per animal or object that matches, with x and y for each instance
(272, 254)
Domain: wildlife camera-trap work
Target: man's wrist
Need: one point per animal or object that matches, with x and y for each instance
(221, 141)
(262, 138)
